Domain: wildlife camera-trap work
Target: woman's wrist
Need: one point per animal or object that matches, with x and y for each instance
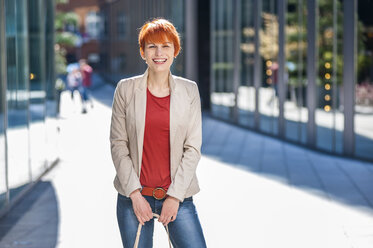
(173, 198)
(135, 194)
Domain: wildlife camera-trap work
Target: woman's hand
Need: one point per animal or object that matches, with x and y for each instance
(169, 210)
(141, 207)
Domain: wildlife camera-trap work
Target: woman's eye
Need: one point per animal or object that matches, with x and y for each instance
(166, 46)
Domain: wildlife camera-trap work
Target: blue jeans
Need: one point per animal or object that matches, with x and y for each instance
(185, 231)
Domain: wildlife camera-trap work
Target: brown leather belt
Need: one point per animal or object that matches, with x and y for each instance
(157, 193)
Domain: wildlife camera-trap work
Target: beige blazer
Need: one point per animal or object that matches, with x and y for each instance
(127, 134)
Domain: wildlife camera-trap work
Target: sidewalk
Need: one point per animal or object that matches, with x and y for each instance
(256, 191)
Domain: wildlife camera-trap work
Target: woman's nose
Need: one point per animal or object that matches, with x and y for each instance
(158, 51)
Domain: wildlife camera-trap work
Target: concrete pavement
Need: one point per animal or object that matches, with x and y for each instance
(256, 191)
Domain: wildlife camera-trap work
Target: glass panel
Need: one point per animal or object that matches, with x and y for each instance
(329, 110)
(295, 111)
(268, 100)
(37, 87)
(17, 95)
(2, 113)
(51, 123)
(364, 89)
(246, 91)
(222, 97)
(175, 13)
(120, 57)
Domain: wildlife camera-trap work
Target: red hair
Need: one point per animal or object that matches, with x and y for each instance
(159, 31)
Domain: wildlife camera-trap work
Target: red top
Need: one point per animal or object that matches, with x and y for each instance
(155, 167)
(87, 73)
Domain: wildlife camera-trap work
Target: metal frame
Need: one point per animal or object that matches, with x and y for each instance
(349, 74)
(311, 71)
(191, 65)
(257, 59)
(3, 82)
(281, 68)
(236, 56)
(334, 74)
(212, 50)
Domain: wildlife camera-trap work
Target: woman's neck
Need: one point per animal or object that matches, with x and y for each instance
(158, 80)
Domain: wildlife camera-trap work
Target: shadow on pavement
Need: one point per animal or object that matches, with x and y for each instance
(38, 211)
(343, 180)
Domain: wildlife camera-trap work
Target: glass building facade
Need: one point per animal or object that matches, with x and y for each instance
(300, 70)
(121, 22)
(28, 124)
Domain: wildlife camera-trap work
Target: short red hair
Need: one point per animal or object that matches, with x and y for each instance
(158, 31)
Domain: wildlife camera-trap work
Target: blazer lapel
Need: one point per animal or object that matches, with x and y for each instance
(140, 111)
(174, 110)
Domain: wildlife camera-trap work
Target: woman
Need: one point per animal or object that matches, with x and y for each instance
(155, 140)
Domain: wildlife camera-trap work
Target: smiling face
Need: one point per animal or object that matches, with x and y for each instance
(159, 43)
(159, 56)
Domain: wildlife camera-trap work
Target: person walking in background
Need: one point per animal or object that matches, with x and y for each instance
(156, 137)
(86, 71)
(74, 81)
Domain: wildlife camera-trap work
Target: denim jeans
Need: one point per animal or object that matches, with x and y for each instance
(185, 231)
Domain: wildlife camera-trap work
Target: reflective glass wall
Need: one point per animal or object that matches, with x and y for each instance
(309, 101)
(222, 96)
(19, 171)
(329, 108)
(268, 91)
(3, 164)
(27, 84)
(37, 86)
(246, 90)
(363, 118)
(295, 109)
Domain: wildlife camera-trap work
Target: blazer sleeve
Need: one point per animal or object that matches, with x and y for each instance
(125, 171)
(192, 150)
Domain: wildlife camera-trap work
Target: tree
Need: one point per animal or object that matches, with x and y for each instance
(65, 24)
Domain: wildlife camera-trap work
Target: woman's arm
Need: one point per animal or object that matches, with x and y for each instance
(119, 144)
(192, 150)
(122, 161)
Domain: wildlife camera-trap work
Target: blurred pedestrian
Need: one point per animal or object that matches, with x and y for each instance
(74, 82)
(156, 138)
(86, 71)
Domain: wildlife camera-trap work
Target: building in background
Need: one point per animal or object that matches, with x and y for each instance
(109, 31)
(88, 31)
(109, 36)
(28, 124)
(298, 70)
(119, 49)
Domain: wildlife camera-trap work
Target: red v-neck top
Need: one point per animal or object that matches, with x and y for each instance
(155, 167)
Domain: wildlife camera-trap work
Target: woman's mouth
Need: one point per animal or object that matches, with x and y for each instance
(159, 61)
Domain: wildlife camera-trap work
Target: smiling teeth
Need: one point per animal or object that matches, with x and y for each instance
(159, 60)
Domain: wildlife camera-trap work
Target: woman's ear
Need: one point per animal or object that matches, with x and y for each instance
(142, 54)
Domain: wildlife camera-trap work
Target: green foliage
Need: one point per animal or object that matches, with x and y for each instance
(60, 61)
(66, 18)
(64, 38)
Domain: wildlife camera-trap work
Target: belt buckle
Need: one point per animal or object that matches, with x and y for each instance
(159, 193)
